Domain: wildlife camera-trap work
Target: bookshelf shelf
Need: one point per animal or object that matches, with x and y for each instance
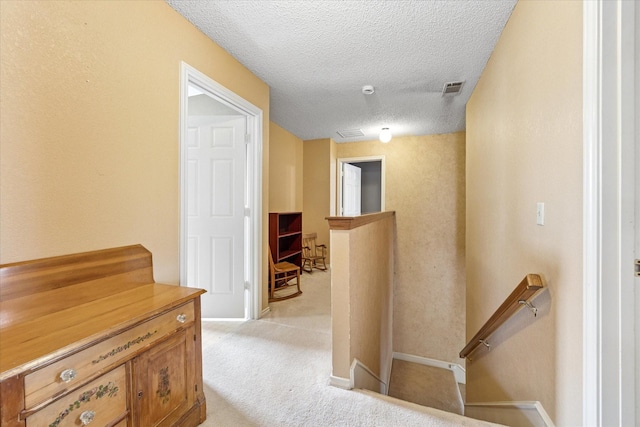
(285, 237)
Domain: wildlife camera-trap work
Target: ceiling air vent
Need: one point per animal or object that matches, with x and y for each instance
(452, 88)
(351, 133)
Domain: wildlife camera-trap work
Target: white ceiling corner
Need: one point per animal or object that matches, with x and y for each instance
(317, 54)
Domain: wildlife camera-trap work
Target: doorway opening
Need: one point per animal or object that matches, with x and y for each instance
(370, 188)
(220, 197)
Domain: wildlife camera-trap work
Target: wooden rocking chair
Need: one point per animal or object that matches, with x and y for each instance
(280, 274)
(313, 255)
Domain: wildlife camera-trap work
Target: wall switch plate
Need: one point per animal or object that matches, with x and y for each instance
(540, 213)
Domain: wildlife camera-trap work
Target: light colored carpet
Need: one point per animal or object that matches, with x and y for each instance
(275, 372)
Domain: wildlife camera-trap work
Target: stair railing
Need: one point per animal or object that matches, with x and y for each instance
(521, 296)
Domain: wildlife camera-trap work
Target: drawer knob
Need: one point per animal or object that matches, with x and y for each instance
(68, 375)
(181, 318)
(86, 417)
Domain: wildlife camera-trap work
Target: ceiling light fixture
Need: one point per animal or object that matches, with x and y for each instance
(385, 135)
(368, 89)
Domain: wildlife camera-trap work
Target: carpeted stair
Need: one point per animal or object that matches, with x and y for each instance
(426, 386)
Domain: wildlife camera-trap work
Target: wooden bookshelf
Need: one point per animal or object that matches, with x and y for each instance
(285, 237)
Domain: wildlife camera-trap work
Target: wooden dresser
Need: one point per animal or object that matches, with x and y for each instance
(90, 339)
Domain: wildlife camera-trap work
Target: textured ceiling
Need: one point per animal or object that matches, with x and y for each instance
(317, 54)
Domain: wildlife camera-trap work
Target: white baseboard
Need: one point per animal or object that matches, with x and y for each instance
(387, 379)
(520, 413)
(265, 312)
(364, 378)
(344, 383)
(360, 377)
(459, 372)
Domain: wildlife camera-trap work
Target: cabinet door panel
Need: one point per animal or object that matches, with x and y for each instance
(164, 385)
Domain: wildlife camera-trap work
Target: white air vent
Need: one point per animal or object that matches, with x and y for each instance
(452, 88)
(351, 133)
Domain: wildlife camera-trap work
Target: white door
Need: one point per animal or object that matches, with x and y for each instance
(636, 202)
(216, 183)
(636, 313)
(351, 190)
(630, 125)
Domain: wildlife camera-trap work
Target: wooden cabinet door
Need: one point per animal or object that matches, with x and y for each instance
(164, 383)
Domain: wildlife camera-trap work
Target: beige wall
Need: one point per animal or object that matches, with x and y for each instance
(361, 297)
(524, 139)
(333, 189)
(318, 182)
(89, 126)
(425, 187)
(285, 170)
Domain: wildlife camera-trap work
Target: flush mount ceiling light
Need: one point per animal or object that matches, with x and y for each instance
(367, 89)
(385, 135)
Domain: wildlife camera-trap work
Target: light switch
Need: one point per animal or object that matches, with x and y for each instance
(540, 213)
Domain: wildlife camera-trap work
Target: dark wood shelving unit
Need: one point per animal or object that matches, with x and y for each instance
(285, 237)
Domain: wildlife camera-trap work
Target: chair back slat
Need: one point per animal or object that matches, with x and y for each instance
(313, 254)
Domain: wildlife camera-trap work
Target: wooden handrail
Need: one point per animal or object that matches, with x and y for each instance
(351, 222)
(521, 296)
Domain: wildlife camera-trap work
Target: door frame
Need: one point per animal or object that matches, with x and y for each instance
(342, 160)
(609, 204)
(253, 199)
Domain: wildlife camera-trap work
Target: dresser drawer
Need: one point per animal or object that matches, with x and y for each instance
(99, 403)
(54, 379)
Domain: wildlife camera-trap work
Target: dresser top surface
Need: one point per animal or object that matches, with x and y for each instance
(53, 306)
(40, 328)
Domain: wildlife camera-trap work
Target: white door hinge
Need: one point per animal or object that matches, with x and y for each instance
(247, 212)
(247, 285)
(247, 138)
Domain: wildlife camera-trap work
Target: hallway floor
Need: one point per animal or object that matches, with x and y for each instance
(275, 372)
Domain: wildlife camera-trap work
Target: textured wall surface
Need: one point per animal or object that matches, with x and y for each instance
(425, 187)
(524, 146)
(318, 187)
(89, 126)
(361, 297)
(285, 170)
